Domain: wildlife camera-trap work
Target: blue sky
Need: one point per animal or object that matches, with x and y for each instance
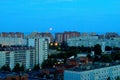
(61, 15)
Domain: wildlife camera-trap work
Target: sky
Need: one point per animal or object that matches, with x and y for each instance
(60, 15)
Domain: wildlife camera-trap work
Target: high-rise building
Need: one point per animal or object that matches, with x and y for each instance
(12, 38)
(59, 37)
(12, 41)
(47, 34)
(41, 48)
(38, 35)
(84, 34)
(12, 34)
(110, 35)
(93, 34)
(65, 36)
(19, 35)
(68, 35)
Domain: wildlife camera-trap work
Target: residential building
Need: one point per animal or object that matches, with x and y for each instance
(60, 37)
(84, 34)
(12, 38)
(110, 35)
(93, 34)
(41, 48)
(68, 35)
(91, 41)
(12, 34)
(38, 35)
(12, 41)
(92, 73)
(17, 54)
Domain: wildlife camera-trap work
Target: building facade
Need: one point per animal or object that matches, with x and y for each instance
(41, 48)
(12, 34)
(60, 37)
(91, 41)
(96, 74)
(12, 41)
(39, 35)
(13, 55)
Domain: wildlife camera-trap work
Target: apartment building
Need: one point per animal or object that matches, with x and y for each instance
(93, 73)
(60, 37)
(17, 54)
(41, 48)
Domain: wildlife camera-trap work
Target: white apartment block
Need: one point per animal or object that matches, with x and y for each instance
(12, 41)
(90, 41)
(21, 56)
(41, 48)
(111, 72)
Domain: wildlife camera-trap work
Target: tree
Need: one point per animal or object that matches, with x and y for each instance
(108, 78)
(108, 48)
(49, 63)
(36, 67)
(97, 49)
(64, 46)
(106, 58)
(22, 68)
(16, 68)
(118, 78)
(5, 68)
(116, 55)
(116, 48)
(89, 56)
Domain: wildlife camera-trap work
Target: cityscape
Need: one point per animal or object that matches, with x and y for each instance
(68, 55)
(59, 39)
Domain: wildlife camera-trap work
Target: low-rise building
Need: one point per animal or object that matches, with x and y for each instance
(90, 72)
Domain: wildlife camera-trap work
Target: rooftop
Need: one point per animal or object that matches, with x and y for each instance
(92, 66)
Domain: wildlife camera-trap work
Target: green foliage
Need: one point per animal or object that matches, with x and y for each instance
(118, 78)
(5, 68)
(116, 48)
(22, 68)
(115, 55)
(108, 78)
(70, 51)
(49, 63)
(36, 67)
(106, 58)
(18, 68)
(108, 48)
(64, 46)
(97, 49)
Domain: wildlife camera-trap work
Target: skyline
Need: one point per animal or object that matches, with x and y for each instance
(60, 15)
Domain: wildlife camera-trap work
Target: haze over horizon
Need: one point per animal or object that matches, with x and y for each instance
(62, 15)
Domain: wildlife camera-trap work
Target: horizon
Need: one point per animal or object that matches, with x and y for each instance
(25, 33)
